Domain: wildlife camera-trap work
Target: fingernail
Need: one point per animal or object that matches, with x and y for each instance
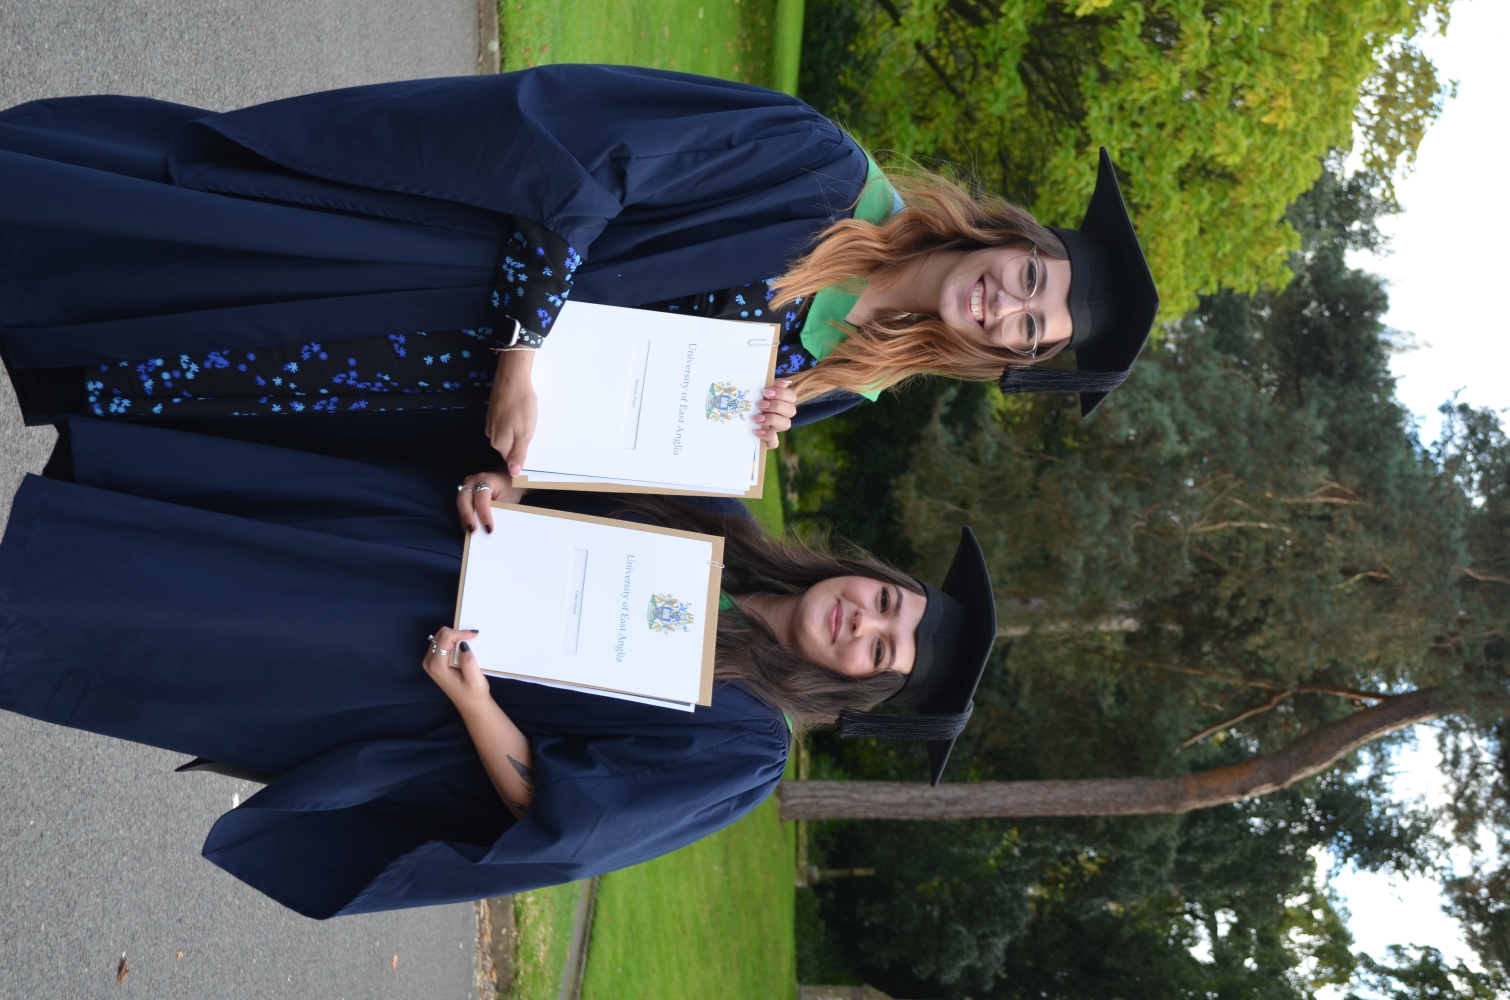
(488, 528)
(464, 647)
(474, 631)
(471, 528)
(768, 393)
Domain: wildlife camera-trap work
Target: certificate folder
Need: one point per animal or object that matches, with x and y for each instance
(638, 401)
(593, 604)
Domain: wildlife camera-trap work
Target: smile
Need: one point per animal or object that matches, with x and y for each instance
(977, 301)
(835, 619)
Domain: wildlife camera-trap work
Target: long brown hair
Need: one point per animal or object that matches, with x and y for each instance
(940, 215)
(746, 649)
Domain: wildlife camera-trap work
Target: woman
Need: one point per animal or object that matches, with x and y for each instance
(267, 609)
(322, 255)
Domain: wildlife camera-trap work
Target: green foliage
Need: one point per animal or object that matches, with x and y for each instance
(1248, 528)
(1217, 112)
(1114, 908)
(1424, 974)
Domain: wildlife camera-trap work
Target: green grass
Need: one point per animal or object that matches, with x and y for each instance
(753, 41)
(714, 919)
(767, 509)
(543, 923)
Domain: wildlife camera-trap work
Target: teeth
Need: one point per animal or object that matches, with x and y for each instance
(976, 311)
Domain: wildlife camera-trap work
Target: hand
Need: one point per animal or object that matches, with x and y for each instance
(463, 680)
(475, 505)
(512, 409)
(777, 409)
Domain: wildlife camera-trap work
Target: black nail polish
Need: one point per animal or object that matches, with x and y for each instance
(473, 630)
(471, 528)
(488, 528)
(464, 647)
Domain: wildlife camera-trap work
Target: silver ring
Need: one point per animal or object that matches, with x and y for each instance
(461, 488)
(482, 486)
(436, 649)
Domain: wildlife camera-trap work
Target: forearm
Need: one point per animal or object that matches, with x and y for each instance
(505, 753)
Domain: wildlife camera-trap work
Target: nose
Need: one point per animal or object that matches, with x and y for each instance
(862, 623)
(1006, 303)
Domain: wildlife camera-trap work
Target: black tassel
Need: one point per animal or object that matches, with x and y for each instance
(1031, 378)
(898, 726)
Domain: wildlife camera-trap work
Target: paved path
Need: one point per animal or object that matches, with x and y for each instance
(99, 840)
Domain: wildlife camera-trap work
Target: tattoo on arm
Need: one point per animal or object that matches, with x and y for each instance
(527, 774)
(517, 808)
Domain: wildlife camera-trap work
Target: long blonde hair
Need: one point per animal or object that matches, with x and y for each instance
(882, 352)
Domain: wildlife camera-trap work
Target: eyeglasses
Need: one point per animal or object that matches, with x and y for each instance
(1024, 279)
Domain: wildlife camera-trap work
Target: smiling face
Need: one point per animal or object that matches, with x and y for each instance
(857, 625)
(982, 297)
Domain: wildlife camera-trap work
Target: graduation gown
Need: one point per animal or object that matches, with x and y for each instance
(134, 228)
(268, 608)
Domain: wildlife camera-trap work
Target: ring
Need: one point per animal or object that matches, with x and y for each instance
(436, 649)
(461, 488)
(482, 486)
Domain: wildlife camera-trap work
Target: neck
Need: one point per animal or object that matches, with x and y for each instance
(915, 289)
(778, 611)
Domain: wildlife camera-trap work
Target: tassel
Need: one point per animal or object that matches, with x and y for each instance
(899, 726)
(1029, 378)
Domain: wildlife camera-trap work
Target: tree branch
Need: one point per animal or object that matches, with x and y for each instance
(1312, 754)
(1273, 703)
(1474, 574)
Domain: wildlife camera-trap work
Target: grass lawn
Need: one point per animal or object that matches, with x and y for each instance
(714, 919)
(543, 922)
(753, 41)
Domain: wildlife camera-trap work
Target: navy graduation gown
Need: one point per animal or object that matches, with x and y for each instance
(267, 608)
(131, 228)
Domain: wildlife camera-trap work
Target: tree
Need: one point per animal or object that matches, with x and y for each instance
(906, 800)
(1215, 577)
(1217, 112)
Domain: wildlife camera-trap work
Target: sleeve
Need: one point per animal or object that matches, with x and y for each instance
(570, 146)
(533, 282)
(394, 824)
(828, 405)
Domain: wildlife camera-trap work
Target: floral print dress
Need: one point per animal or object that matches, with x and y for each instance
(423, 370)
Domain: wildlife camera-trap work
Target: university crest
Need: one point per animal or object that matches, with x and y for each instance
(667, 614)
(726, 402)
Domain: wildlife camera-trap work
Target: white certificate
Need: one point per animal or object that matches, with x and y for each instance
(636, 399)
(595, 604)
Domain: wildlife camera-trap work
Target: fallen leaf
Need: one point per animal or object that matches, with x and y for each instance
(395, 961)
(123, 970)
(180, 957)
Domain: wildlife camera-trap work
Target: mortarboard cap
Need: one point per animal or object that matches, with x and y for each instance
(1113, 301)
(954, 640)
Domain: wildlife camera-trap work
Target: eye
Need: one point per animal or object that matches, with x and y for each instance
(885, 599)
(1030, 327)
(1030, 276)
(880, 653)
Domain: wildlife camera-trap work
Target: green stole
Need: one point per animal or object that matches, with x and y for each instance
(826, 328)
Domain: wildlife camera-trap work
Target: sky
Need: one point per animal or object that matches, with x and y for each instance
(1445, 267)
(1447, 253)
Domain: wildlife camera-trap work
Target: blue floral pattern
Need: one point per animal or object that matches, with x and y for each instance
(417, 371)
(751, 301)
(425, 370)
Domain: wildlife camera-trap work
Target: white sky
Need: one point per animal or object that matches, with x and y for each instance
(1445, 269)
(1447, 254)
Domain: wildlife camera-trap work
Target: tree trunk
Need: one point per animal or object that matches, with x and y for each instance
(1311, 754)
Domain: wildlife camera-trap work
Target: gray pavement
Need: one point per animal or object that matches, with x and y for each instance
(99, 839)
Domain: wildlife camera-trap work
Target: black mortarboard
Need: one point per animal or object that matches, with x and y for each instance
(1113, 301)
(954, 640)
